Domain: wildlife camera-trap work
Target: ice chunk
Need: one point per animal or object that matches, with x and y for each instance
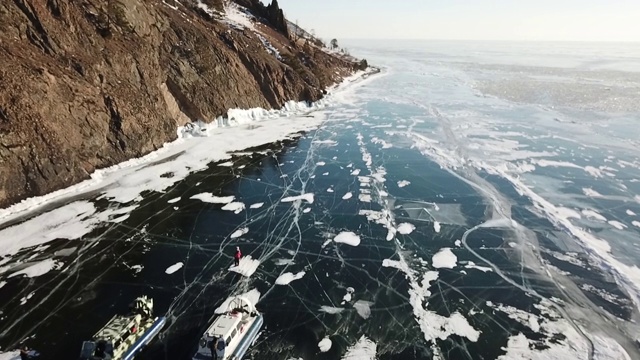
(256, 205)
(403, 183)
(347, 196)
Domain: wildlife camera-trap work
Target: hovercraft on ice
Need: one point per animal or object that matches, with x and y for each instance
(231, 333)
(124, 335)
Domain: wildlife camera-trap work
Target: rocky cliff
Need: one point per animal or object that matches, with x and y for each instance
(85, 84)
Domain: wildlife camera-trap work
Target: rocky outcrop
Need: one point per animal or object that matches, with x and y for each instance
(90, 83)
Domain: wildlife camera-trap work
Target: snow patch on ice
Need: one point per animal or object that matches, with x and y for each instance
(324, 345)
(567, 213)
(247, 266)
(436, 226)
(572, 345)
(173, 268)
(236, 207)
(364, 349)
(71, 221)
(307, 197)
(256, 205)
(363, 308)
(331, 309)
(347, 297)
(38, 269)
(445, 258)
(347, 237)
(591, 193)
(595, 172)
(355, 172)
(347, 196)
(472, 265)
(238, 233)
(403, 183)
(591, 214)
(287, 278)
(173, 201)
(210, 198)
(406, 228)
(618, 225)
(283, 262)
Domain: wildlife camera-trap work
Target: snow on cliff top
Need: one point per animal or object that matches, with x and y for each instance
(238, 17)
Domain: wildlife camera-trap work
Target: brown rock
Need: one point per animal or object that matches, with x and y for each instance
(87, 84)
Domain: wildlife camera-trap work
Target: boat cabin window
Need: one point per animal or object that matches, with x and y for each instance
(233, 334)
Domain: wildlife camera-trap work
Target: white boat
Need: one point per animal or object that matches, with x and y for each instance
(124, 336)
(231, 333)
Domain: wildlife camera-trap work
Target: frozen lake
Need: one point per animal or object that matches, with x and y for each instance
(473, 201)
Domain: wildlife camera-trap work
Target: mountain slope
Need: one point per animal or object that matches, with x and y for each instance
(87, 84)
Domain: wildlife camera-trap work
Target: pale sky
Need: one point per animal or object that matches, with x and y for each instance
(541, 20)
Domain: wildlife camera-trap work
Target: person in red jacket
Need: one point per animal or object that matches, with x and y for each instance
(237, 256)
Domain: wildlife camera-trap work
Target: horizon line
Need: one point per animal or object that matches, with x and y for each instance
(493, 40)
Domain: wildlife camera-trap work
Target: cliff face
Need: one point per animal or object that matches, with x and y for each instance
(86, 84)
